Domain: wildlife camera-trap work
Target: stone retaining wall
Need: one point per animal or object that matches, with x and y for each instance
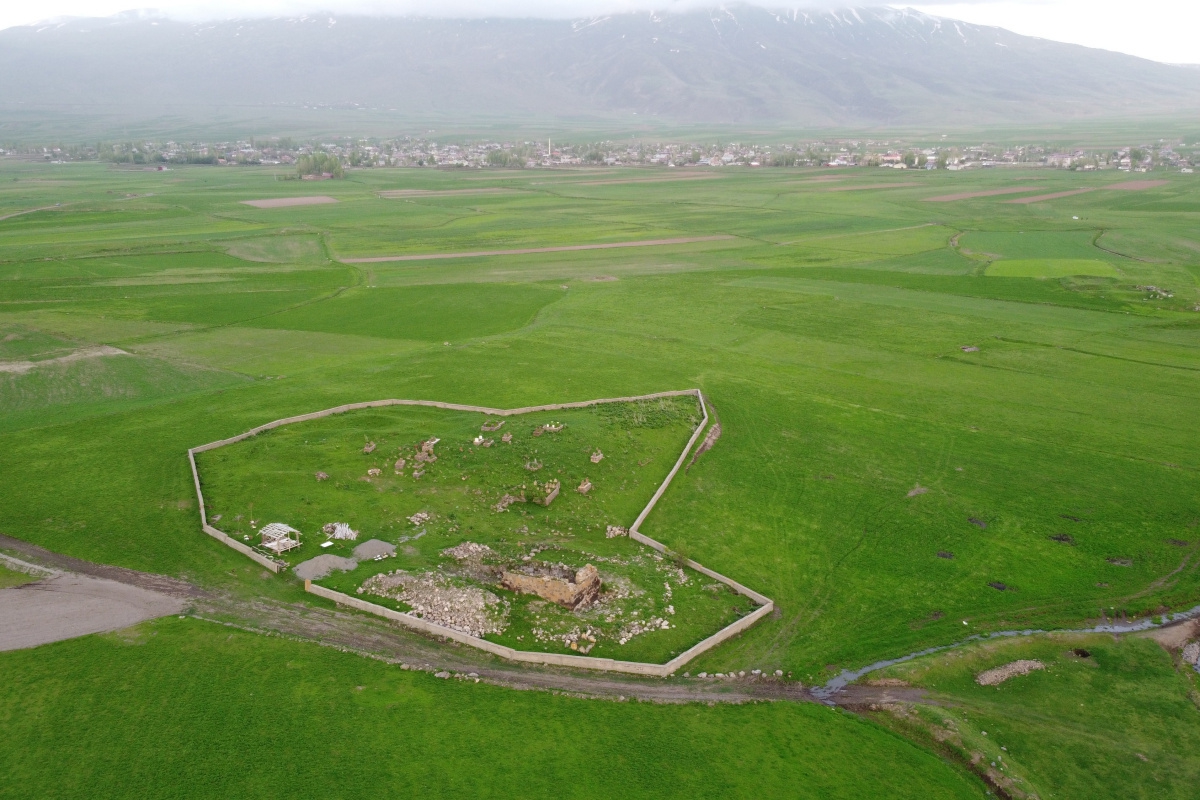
(766, 605)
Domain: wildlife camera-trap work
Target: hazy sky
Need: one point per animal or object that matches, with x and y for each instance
(1164, 30)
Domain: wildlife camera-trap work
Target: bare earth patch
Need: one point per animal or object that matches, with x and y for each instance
(999, 675)
(397, 194)
(529, 250)
(896, 185)
(950, 198)
(285, 202)
(1037, 198)
(679, 176)
(1136, 186)
(21, 367)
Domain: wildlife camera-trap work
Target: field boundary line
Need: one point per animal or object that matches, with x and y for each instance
(532, 250)
(765, 604)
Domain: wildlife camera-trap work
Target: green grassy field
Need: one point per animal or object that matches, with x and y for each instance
(879, 478)
(152, 712)
(1105, 718)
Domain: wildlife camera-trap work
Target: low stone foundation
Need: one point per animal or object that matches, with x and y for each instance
(580, 593)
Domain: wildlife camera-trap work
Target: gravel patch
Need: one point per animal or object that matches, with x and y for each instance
(322, 566)
(373, 548)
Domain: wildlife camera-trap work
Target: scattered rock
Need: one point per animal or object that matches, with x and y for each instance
(374, 548)
(467, 550)
(918, 490)
(506, 501)
(322, 566)
(443, 675)
(321, 476)
(1191, 653)
(999, 675)
(969, 348)
(613, 531)
(419, 518)
(374, 472)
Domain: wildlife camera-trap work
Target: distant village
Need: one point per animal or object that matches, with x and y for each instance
(329, 159)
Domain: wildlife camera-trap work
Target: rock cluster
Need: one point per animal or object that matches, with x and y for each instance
(369, 448)
(419, 518)
(1191, 653)
(613, 531)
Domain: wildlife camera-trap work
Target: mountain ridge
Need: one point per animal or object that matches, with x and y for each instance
(728, 65)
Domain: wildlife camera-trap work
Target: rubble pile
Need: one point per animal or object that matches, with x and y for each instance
(369, 448)
(433, 598)
(419, 518)
(613, 531)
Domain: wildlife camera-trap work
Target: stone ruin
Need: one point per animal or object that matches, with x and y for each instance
(571, 594)
(369, 448)
(584, 487)
(597, 457)
(550, 490)
(613, 531)
(489, 427)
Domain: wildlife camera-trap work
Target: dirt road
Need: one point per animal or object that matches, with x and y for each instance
(380, 639)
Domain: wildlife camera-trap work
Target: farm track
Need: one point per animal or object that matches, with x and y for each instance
(381, 640)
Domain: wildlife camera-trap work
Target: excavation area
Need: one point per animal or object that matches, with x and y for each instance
(513, 530)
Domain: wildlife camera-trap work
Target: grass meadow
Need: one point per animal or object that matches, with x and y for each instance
(938, 418)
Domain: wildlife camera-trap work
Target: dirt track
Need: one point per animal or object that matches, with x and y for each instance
(380, 639)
